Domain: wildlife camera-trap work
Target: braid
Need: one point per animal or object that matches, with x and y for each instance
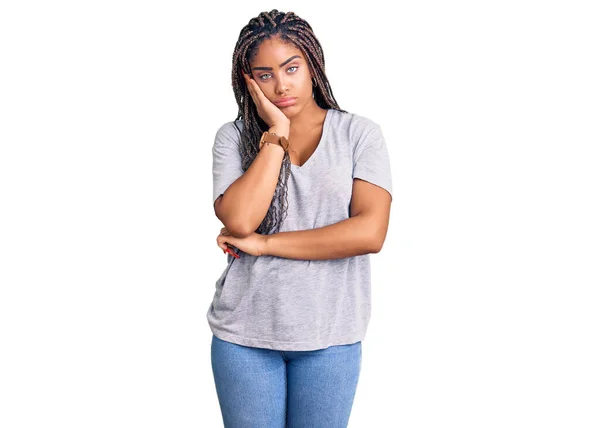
(289, 27)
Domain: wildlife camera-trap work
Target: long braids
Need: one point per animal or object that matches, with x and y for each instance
(289, 27)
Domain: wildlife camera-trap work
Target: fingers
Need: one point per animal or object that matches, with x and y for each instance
(224, 237)
(221, 243)
(253, 89)
(225, 246)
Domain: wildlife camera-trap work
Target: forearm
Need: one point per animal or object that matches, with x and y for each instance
(247, 200)
(351, 237)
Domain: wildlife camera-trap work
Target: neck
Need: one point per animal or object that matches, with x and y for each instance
(310, 115)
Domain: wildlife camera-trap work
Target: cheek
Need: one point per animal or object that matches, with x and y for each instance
(267, 89)
(304, 87)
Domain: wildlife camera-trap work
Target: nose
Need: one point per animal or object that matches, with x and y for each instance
(282, 85)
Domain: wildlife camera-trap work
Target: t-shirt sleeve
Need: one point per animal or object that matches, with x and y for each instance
(371, 159)
(227, 162)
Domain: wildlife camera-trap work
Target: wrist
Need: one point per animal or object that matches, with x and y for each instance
(265, 247)
(278, 150)
(280, 130)
(273, 138)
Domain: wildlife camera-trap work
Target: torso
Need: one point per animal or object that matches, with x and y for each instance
(300, 305)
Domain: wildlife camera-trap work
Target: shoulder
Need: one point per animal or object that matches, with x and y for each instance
(229, 132)
(231, 127)
(356, 125)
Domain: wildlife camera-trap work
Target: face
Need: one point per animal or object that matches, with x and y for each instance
(281, 71)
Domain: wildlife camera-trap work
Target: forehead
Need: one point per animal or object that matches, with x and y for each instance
(275, 50)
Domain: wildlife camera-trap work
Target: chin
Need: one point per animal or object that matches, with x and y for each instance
(292, 110)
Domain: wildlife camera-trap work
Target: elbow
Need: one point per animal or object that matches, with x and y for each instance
(234, 225)
(240, 227)
(373, 233)
(239, 230)
(376, 243)
(244, 233)
(376, 247)
(378, 237)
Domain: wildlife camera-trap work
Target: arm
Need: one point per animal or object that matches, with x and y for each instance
(364, 232)
(246, 201)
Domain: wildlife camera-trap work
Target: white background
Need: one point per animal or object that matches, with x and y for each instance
(485, 296)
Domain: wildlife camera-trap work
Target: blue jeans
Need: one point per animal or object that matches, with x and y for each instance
(264, 388)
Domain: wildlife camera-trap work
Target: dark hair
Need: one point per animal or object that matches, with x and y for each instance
(290, 28)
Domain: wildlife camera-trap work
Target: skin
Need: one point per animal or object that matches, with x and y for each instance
(364, 232)
(293, 79)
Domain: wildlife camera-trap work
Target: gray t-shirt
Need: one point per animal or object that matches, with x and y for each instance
(302, 305)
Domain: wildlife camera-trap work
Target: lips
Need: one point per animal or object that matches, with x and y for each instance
(284, 102)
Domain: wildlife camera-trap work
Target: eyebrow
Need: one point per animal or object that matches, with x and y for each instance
(280, 65)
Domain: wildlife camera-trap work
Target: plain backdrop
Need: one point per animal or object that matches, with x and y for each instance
(485, 295)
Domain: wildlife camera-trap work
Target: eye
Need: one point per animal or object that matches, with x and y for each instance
(263, 75)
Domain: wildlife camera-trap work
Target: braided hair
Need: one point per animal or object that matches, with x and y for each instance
(289, 28)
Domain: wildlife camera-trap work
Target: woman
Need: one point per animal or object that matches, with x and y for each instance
(303, 189)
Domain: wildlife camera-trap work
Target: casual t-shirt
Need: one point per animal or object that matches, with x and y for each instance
(302, 305)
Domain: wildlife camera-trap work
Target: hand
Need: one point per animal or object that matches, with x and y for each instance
(255, 244)
(269, 112)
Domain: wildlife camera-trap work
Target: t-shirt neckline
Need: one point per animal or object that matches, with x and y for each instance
(322, 140)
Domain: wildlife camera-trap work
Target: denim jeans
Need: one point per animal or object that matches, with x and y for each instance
(265, 388)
